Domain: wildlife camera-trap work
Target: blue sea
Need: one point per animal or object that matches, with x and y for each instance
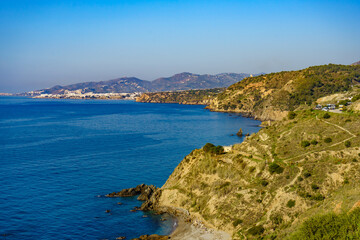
(58, 158)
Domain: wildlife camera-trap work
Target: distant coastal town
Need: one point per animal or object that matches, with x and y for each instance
(90, 95)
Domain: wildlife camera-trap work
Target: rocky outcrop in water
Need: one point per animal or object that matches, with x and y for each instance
(144, 191)
(240, 132)
(152, 237)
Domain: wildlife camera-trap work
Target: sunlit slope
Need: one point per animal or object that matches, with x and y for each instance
(271, 96)
(269, 184)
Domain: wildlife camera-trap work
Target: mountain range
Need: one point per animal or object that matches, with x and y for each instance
(181, 81)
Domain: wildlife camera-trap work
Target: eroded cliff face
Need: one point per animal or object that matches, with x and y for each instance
(270, 182)
(262, 114)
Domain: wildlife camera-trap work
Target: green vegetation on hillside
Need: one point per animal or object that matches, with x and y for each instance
(330, 226)
(264, 184)
(285, 91)
(184, 97)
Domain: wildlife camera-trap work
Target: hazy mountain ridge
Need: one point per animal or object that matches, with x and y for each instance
(181, 81)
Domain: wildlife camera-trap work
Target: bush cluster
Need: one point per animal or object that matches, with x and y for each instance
(331, 226)
(256, 230)
(290, 203)
(275, 168)
(326, 115)
(211, 148)
(305, 143)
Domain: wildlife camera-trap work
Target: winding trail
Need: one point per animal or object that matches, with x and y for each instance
(335, 144)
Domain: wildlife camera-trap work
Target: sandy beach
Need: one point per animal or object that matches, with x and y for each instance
(188, 231)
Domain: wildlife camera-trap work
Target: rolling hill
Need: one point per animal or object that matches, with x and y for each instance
(272, 96)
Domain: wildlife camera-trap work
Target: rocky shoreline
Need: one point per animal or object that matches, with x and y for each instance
(186, 227)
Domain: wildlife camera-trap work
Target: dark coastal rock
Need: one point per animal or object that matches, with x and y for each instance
(248, 134)
(152, 237)
(240, 132)
(147, 193)
(150, 204)
(120, 238)
(143, 190)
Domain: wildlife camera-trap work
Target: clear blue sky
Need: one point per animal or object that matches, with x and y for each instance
(45, 43)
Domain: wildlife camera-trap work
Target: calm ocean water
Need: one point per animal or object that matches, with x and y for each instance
(57, 156)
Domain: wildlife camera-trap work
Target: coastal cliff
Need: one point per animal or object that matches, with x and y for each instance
(191, 97)
(273, 181)
(279, 182)
(272, 96)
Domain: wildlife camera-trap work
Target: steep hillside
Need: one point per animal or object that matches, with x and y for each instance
(271, 96)
(182, 81)
(202, 97)
(268, 185)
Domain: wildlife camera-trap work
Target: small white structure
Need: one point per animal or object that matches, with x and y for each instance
(227, 148)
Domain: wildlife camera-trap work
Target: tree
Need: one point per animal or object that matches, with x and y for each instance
(275, 168)
(326, 115)
(305, 143)
(208, 147)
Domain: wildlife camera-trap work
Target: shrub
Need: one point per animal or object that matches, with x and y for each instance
(326, 115)
(305, 143)
(211, 148)
(237, 222)
(219, 150)
(300, 179)
(314, 142)
(256, 230)
(208, 147)
(317, 197)
(275, 168)
(290, 203)
(328, 140)
(291, 115)
(347, 143)
(307, 174)
(314, 187)
(264, 183)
